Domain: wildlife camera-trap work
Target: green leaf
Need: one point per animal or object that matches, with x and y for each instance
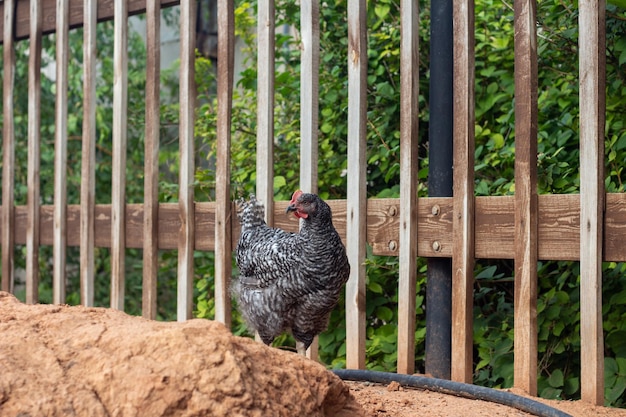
(381, 10)
(487, 272)
(326, 338)
(616, 341)
(326, 127)
(279, 181)
(618, 3)
(618, 299)
(384, 313)
(572, 385)
(558, 328)
(375, 287)
(202, 284)
(556, 379)
(621, 365)
(550, 393)
(621, 142)
(613, 393)
(610, 366)
(498, 140)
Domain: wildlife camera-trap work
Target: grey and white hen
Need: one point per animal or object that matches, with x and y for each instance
(289, 280)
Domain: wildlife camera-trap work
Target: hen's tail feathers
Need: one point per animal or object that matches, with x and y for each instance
(251, 213)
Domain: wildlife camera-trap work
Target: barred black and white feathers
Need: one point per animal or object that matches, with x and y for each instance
(289, 280)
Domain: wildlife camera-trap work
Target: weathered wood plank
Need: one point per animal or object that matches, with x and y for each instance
(463, 221)
(224, 208)
(60, 154)
(34, 152)
(409, 180)
(151, 167)
(309, 103)
(309, 94)
(187, 100)
(265, 107)
(526, 250)
(356, 227)
(88, 165)
(614, 234)
(76, 14)
(8, 151)
(558, 226)
(592, 70)
(118, 180)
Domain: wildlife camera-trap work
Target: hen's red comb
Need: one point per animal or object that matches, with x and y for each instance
(296, 195)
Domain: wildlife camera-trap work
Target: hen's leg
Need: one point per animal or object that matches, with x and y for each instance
(300, 348)
(303, 341)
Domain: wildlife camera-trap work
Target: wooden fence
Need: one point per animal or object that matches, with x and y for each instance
(526, 227)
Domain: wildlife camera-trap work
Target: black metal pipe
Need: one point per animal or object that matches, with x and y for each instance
(453, 388)
(439, 275)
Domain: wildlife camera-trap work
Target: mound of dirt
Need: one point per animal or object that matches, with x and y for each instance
(64, 361)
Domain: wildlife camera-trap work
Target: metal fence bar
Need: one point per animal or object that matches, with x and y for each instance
(463, 218)
(34, 139)
(437, 349)
(409, 167)
(60, 154)
(592, 57)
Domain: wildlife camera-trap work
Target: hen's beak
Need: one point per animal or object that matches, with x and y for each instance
(292, 203)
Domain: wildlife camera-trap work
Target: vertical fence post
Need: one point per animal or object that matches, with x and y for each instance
(357, 186)
(592, 33)
(8, 149)
(118, 183)
(440, 177)
(186, 238)
(309, 94)
(34, 139)
(409, 170)
(88, 166)
(151, 168)
(223, 212)
(60, 153)
(525, 365)
(309, 112)
(265, 108)
(463, 221)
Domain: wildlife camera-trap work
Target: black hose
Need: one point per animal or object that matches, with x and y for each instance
(453, 388)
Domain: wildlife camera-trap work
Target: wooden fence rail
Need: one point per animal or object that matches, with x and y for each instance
(526, 227)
